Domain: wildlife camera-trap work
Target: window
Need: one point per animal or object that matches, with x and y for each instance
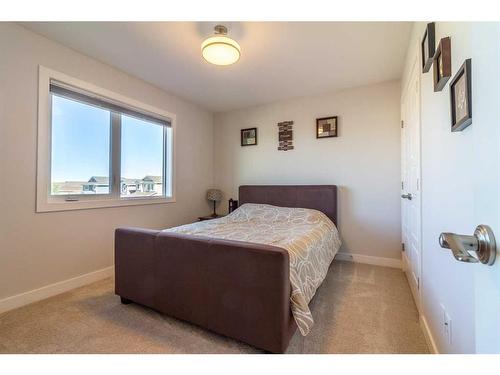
(99, 149)
(80, 147)
(141, 157)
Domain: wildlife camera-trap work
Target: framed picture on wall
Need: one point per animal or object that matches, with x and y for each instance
(428, 47)
(326, 127)
(249, 137)
(442, 64)
(461, 98)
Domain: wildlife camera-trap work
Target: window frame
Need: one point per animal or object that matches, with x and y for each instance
(45, 201)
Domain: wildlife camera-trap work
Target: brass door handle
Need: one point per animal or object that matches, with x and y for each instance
(406, 196)
(482, 243)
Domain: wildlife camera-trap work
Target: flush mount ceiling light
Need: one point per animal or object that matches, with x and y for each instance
(220, 49)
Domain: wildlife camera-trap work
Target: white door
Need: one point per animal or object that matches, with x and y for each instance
(477, 179)
(410, 189)
(486, 153)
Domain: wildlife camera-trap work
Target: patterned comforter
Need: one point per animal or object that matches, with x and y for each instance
(309, 236)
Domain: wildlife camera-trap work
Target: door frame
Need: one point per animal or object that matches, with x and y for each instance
(414, 72)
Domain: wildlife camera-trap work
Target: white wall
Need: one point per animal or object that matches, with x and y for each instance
(364, 161)
(45, 248)
(450, 166)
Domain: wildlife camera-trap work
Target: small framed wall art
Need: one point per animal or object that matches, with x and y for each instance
(249, 137)
(461, 98)
(428, 47)
(442, 64)
(326, 127)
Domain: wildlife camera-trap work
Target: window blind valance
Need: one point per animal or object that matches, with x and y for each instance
(66, 91)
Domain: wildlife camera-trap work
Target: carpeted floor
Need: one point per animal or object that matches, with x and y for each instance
(358, 309)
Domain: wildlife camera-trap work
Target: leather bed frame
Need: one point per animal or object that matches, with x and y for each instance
(237, 289)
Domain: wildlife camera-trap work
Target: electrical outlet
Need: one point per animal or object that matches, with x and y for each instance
(446, 325)
(447, 328)
(443, 318)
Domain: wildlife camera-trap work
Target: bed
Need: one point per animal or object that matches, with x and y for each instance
(240, 276)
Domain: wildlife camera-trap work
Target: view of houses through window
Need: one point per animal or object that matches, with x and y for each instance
(146, 186)
(81, 150)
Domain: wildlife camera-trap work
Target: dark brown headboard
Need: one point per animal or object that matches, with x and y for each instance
(318, 197)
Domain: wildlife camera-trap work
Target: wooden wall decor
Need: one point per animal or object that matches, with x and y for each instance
(428, 47)
(285, 136)
(442, 64)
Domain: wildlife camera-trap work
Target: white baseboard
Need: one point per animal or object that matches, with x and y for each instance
(47, 291)
(377, 261)
(429, 338)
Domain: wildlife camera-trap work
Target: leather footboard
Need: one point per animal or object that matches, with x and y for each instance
(238, 289)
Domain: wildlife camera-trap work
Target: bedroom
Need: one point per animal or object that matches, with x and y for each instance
(345, 159)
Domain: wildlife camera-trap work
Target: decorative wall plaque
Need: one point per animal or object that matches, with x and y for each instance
(461, 98)
(442, 64)
(428, 47)
(285, 136)
(326, 127)
(249, 137)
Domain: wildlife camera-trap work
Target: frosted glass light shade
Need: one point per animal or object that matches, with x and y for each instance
(220, 50)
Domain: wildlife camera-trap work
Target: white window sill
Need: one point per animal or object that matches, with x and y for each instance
(61, 205)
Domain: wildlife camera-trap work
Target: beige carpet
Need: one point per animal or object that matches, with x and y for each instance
(358, 309)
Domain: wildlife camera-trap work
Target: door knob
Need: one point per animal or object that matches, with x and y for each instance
(482, 243)
(406, 196)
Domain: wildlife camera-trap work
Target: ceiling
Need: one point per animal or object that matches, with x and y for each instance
(279, 60)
